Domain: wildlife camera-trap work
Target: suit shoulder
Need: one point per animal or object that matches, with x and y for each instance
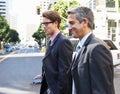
(63, 38)
(97, 44)
(98, 41)
(98, 48)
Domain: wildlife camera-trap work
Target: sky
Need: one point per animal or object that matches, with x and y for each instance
(25, 9)
(25, 12)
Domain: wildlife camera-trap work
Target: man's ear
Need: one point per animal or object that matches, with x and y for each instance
(85, 21)
(56, 23)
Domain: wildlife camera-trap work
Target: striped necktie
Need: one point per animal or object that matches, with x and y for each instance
(77, 51)
(76, 54)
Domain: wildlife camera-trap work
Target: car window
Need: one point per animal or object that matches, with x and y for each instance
(110, 44)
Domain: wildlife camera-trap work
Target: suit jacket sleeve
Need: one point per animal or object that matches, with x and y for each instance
(101, 70)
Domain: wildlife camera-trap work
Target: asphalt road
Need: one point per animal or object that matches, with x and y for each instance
(17, 72)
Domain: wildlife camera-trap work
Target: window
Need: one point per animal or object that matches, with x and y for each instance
(110, 44)
(110, 3)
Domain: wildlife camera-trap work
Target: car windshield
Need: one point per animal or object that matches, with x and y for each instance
(110, 44)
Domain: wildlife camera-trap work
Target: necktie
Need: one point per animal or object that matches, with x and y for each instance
(76, 54)
(48, 47)
(77, 51)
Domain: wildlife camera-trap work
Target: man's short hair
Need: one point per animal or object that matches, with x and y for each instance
(52, 15)
(83, 12)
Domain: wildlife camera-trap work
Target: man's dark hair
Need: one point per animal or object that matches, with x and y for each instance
(53, 16)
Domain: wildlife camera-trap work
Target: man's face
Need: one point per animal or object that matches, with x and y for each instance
(48, 26)
(76, 28)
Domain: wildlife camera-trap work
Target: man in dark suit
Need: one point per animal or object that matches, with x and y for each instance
(57, 59)
(92, 67)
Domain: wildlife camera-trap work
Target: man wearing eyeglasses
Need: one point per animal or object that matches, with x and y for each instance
(57, 59)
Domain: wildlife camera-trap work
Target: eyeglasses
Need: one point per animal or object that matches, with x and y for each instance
(45, 23)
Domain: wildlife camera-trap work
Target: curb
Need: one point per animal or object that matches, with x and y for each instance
(8, 55)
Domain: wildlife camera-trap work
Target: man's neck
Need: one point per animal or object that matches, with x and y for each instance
(54, 35)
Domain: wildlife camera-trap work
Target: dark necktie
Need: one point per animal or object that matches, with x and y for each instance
(75, 57)
(48, 47)
(77, 51)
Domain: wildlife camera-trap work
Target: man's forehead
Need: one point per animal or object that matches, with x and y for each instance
(72, 17)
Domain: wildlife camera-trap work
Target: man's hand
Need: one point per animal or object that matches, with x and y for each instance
(37, 79)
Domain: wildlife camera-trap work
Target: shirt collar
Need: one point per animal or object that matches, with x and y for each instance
(54, 36)
(82, 41)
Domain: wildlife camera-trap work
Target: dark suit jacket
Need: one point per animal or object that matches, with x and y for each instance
(55, 65)
(92, 71)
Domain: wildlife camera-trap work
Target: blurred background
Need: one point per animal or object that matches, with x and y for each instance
(23, 41)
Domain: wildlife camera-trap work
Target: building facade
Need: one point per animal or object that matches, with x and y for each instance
(3, 8)
(44, 5)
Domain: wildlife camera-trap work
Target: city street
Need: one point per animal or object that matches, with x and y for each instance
(17, 72)
(18, 69)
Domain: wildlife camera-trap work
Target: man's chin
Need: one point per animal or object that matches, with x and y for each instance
(48, 34)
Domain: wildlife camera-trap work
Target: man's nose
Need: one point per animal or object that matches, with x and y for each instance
(70, 29)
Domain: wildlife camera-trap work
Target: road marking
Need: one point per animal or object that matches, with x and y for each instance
(6, 56)
(20, 55)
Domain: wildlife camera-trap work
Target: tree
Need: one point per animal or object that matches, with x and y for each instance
(62, 7)
(4, 27)
(12, 36)
(39, 35)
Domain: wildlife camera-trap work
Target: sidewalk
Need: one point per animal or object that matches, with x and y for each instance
(2, 51)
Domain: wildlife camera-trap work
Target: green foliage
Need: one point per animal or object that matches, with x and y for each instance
(4, 27)
(39, 35)
(119, 3)
(62, 7)
(6, 34)
(12, 36)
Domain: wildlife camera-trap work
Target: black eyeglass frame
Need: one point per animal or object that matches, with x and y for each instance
(46, 23)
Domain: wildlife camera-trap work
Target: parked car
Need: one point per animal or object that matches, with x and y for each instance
(8, 48)
(114, 50)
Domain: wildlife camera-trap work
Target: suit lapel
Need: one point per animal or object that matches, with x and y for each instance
(75, 62)
(89, 39)
(83, 49)
(55, 40)
(50, 46)
(47, 50)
